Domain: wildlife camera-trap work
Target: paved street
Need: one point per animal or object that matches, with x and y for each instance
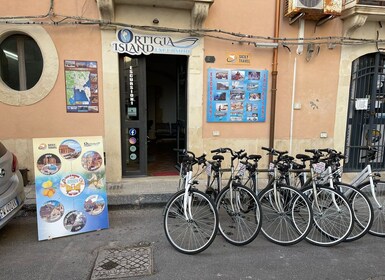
(74, 257)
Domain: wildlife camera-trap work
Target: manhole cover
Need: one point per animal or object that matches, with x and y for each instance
(123, 262)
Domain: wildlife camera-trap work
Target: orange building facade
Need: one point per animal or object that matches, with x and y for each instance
(149, 88)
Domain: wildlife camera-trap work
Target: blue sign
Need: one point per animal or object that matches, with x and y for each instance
(70, 184)
(236, 95)
(132, 131)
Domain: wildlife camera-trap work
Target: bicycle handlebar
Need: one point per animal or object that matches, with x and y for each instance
(236, 154)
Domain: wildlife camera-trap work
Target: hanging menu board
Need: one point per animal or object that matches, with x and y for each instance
(70, 186)
(236, 95)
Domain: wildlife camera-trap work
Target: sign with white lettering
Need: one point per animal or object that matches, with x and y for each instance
(137, 44)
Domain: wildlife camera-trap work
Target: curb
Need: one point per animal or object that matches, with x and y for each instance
(125, 201)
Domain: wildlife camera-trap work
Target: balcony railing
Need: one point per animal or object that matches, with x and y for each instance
(355, 13)
(371, 2)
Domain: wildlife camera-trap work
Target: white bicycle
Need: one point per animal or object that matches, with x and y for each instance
(190, 216)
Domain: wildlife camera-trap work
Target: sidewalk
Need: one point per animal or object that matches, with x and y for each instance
(133, 192)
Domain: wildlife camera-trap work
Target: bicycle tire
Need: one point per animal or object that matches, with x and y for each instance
(378, 226)
(194, 235)
(287, 221)
(240, 224)
(362, 210)
(333, 217)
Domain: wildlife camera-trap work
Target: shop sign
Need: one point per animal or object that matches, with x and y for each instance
(137, 44)
(238, 58)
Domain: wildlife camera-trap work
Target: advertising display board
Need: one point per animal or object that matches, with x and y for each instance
(81, 82)
(236, 95)
(70, 184)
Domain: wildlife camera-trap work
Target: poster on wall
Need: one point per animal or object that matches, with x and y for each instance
(70, 185)
(81, 82)
(236, 95)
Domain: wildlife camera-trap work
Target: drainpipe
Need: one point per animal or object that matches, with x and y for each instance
(274, 74)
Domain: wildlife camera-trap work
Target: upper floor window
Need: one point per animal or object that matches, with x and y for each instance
(21, 62)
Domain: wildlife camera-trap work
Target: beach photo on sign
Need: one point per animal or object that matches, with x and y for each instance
(252, 86)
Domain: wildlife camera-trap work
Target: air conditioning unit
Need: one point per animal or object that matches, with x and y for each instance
(312, 9)
(310, 4)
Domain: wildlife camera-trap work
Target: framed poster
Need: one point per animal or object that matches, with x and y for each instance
(81, 82)
(236, 95)
(70, 185)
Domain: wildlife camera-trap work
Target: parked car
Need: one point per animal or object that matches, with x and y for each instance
(12, 196)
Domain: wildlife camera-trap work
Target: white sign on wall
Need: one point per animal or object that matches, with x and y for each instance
(137, 44)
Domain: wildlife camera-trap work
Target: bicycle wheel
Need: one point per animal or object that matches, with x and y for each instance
(194, 234)
(239, 214)
(378, 203)
(362, 210)
(332, 215)
(287, 215)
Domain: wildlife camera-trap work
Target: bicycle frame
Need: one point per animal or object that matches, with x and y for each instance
(361, 178)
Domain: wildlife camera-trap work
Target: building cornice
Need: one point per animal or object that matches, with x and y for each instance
(199, 8)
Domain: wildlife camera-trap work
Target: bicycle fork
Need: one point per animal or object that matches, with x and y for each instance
(187, 198)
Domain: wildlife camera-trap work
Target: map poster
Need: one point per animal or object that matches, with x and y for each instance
(236, 95)
(70, 185)
(81, 82)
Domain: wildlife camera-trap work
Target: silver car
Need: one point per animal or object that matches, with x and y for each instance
(12, 196)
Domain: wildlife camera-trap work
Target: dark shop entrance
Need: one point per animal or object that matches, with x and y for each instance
(153, 92)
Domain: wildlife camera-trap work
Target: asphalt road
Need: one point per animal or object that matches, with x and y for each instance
(22, 256)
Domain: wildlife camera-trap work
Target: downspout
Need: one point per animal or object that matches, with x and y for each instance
(274, 74)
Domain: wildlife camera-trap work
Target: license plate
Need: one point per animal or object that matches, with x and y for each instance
(8, 208)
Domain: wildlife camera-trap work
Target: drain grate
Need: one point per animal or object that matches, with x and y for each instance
(123, 262)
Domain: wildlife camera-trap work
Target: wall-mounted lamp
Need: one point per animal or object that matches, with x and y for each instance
(265, 45)
(155, 21)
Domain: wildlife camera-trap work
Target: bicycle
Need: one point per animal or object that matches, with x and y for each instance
(238, 207)
(190, 217)
(286, 213)
(361, 205)
(374, 188)
(332, 213)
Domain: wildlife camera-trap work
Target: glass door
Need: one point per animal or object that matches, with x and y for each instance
(133, 115)
(181, 106)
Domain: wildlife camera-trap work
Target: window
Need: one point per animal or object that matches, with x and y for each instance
(366, 112)
(29, 64)
(21, 62)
